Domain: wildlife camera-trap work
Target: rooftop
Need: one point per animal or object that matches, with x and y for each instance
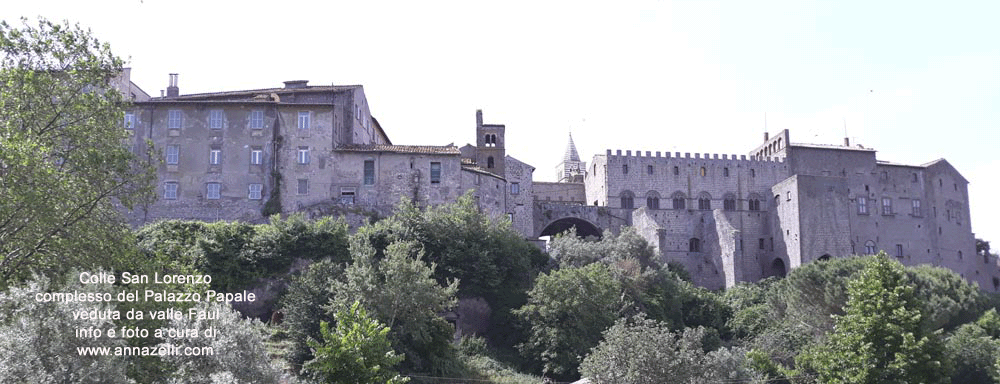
(418, 149)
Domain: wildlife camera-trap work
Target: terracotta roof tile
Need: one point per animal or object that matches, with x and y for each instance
(421, 149)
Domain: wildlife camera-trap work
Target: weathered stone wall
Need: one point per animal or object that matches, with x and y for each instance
(570, 193)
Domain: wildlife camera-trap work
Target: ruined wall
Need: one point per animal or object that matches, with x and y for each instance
(570, 193)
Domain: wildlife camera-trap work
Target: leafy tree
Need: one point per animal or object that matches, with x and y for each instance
(358, 351)
(974, 352)
(982, 247)
(571, 250)
(303, 305)
(401, 292)
(236, 350)
(63, 166)
(647, 351)
(880, 338)
(38, 341)
(567, 310)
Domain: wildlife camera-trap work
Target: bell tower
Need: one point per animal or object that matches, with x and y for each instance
(490, 150)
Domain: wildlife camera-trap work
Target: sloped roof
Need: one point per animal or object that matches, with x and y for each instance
(571, 154)
(418, 149)
(252, 93)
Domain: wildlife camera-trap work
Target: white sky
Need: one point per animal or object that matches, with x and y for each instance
(917, 81)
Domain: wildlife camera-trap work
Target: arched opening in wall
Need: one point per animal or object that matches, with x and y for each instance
(489, 162)
(869, 247)
(825, 257)
(627, 200)
(583, 227)
(778, 268)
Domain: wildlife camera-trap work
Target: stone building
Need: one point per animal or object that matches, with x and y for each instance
(243, 155)
(735, 218)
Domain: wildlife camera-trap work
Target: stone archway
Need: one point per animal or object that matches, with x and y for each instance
(583, 227)
(825, 257)
(778, 268)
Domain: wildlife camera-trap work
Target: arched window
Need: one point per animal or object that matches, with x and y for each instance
(704, 201)
(652, 200)
(703, 171)
(628, 199)
(677, 170)
(960, 255)
(678, 199)
(489, 162)
(778, 268)
(729, 202)
(753, 202)
(753, 173)
(694, 245)
(869, 247)
(725, 171)
(625, 169)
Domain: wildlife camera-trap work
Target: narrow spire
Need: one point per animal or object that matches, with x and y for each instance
(571, 154)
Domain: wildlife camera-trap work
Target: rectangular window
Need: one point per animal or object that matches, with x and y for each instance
(215, 119)
(435, 173)
(174, 119)
(303, 120)
(255, 190)
(863, 205)
(256, 119)
(303, 155)
(256, 156)
(173, 154)
(515, 188)
(649, 169)
(760, 243)
(916, 208)
(170, 191)
(625, 169)
(129, 120)
(886, 206)
(215, 156)
(899, 250)
(369, 172)
(347, 196)
(303, 188)
(212, 191)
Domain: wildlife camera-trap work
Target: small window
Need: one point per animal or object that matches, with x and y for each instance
(753, 173)
(704, 204)
(772, 243)
(677, 170)
(788, 195)
(914, 177)
(960, 255)
(303, 120)
(916, 208)
(347, 196)
(649, 169)
(369, 172)
(760, 243)
(170, 191)
(694, 245)
(956, 187)
(212, 191)
(303, 187)
(303, 155)
(174, 119)
(863, 205)
(725, 172)
(129, 120)
(436, 172)
(870, 247)
(489, 162)
(653, 202)
(515, 188)
(624, 169)
(215, 119)
(215, 156)
(173, 154)
(729, 204)
(256, 119)
(256, 156)
(753, 204)
(886, 206)
(703, 172)
(899, 250)
(255, 190)
(885, 175)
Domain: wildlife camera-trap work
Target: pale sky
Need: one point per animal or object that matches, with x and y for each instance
(915, 80)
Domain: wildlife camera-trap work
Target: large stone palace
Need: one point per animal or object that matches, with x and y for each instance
(243, 155)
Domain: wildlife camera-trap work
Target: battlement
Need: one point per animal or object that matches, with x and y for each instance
(712, 157)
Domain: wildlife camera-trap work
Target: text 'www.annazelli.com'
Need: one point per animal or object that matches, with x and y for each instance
(161, 350)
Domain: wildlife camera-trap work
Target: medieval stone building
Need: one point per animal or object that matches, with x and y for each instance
(243, 155)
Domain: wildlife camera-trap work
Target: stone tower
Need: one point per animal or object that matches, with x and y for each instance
(490, 150)
(571, 169)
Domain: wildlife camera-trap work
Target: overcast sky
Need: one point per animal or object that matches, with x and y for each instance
(917, 81)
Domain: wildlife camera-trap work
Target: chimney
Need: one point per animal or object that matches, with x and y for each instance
(765, 136)
(291, 84)
(479, 118)
(847, 142)
(172, 90)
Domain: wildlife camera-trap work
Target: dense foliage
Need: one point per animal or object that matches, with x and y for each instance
(357, 351)
(63, 168)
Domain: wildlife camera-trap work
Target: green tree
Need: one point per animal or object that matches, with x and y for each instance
(401, 292)
(64, 165)
(880, 338)
(567, 310)
(303, 305)
(647, 351)
(357, 351)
